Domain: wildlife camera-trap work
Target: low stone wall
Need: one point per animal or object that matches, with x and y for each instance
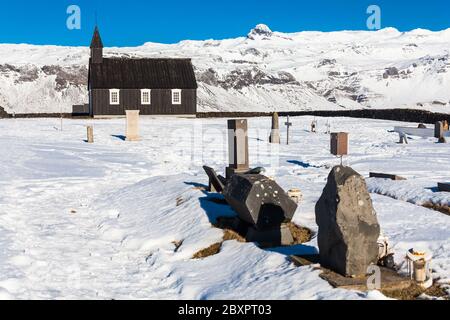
(405, 115)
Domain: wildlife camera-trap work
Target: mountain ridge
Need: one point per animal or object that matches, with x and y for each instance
(263, 71)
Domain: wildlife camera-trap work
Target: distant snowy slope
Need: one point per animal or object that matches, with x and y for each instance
(263, 71)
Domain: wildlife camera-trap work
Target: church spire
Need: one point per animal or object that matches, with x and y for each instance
(96, 47)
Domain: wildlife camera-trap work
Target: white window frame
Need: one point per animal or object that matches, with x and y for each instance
(176, 91)
(111, 93)
(149, 92)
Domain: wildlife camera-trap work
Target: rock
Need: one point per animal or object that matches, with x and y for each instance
(259, 201)
(261, 30)
(348, 225)
(421, 126)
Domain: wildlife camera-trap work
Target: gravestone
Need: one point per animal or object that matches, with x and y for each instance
(314, 126)
(403, 138)
(237, 147)
(132, 132)
(339, 143)
(259, 201)
(90, 134)
(328, 126)
(275, 132)
(288, 124)
(279, 236)
(439, 130)
(348, 225)
(216, 182)
(386, 176)
(444, 187)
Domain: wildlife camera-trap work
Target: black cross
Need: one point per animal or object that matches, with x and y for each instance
(288, 125)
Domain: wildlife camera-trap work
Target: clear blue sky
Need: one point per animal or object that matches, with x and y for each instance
(133, 22)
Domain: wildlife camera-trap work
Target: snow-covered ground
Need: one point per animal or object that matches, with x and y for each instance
(99, 221)
(263, 71)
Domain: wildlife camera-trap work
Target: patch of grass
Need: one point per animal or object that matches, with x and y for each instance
(300, 234)
(441, 208)
(236, 230)
(210, 251)
(414, 291)
(229, 235)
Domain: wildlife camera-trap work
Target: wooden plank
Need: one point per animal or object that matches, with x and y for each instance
(386, 176)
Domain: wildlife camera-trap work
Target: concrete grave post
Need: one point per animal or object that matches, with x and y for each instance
(90, 134)
(237, 147)
(132, 132)
(275, 133)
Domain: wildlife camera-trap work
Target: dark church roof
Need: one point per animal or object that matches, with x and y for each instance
(96, 39)
(124, 73)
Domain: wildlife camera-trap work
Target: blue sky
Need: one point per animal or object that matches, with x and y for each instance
(133, 22)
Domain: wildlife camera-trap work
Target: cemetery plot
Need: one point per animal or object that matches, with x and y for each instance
(138, 212)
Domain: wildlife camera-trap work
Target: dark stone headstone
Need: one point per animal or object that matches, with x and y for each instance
(277, 236)
(215, 181)
(439, 130)
(259, 201)
(348, 225)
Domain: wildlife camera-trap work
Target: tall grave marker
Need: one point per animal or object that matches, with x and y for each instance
(237, 147)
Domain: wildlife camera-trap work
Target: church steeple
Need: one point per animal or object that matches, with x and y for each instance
(96, 47)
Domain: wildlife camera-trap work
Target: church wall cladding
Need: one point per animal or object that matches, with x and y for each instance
(130, 99)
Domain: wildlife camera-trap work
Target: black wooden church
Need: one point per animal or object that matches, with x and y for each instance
(154, 86)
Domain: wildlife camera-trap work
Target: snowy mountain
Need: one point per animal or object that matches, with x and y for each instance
(263, 71)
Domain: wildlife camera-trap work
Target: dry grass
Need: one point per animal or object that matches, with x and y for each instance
(210, 251)
(300, 234)
(441, 208)
(229, 235)
(414, 291)
(228, 225)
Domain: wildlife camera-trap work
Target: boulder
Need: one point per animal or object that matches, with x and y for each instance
(348, 225)
(259, 200)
